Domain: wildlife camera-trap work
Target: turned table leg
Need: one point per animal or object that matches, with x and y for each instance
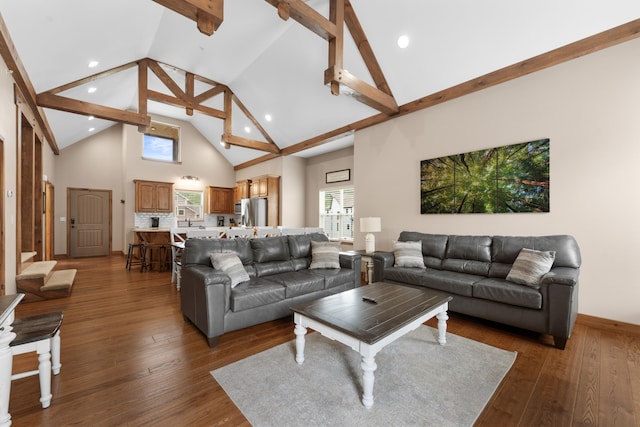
(442, 327)
(300, 332)
(368, 367)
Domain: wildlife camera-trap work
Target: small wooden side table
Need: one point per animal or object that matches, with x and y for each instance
(368, 258)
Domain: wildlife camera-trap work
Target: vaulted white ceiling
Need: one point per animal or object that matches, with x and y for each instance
(277, 67)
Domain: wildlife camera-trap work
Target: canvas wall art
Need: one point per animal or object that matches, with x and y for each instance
(512, 178)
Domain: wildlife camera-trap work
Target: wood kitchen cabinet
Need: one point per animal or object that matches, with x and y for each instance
(153, 196)
(221, 200)
(241, 190)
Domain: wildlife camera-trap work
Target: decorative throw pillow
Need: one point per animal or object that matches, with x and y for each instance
(231, 265)
(530, 266)
(325, 255)
(408, 254)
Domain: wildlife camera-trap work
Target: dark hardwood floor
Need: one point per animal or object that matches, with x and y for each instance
(129, 358)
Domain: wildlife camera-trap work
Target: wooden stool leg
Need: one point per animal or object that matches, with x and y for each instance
(44, 372)
(55, 354)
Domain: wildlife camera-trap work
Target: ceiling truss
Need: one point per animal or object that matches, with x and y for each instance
(331, 29)
(180, 97)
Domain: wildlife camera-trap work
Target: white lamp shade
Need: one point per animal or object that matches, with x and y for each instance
(370, 225)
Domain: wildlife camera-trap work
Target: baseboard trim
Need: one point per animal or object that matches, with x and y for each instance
(608, 324)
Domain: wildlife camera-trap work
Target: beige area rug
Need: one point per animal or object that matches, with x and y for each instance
(417, 383)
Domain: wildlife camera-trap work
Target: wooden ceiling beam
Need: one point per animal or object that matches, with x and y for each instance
(332, 30)
(249, 143)
(57, 102)
(177, 102)
(167, 80)
(362, 43)
(210, 93)
(92, 78)
(208, 14)
(362, 91)
(253, 120)
(305, 15)
(11, 58)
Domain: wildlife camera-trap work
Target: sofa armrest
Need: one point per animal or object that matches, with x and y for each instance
(562, 276)
(204, 298)
(353, 262)
(381, 260)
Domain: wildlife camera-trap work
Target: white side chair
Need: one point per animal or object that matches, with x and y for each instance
(267, 232)
(207, 233)
(289, 231)
(311, 230)
(177, 238)
(242, 233)
(40, 334)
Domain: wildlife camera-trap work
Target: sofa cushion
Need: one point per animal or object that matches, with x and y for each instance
(530, 266)
(412, 276)
(408, 254)
(255, 293)
(299, 282)
(334, 277)
(300, 263)
(450, 281)
(500, 290)
(269, 268)
(325, 255)
(231, 265)
(269, 249)
(477, 248)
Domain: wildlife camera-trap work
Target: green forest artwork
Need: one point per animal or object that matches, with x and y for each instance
(513, 178)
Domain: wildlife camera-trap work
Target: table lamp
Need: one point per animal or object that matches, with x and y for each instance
(370, 225)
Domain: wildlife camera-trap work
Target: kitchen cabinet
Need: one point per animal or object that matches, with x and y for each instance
(153, 196)
(220, 200)
(241, 190)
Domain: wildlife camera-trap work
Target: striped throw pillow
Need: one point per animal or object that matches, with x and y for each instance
(530, 266)
(408, 254)
(231, 265)
(325, 255)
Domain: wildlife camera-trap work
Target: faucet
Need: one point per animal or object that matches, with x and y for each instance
(189, 222)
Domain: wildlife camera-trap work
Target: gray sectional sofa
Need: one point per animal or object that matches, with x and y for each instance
(474, 270)
(279, 277)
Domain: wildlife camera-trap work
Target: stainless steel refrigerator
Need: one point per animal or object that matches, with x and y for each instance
(253, 212)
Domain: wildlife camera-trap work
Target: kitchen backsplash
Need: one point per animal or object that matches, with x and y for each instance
(167, 220)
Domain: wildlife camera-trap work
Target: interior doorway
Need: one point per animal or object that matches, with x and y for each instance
(89, 222)
(49, 215)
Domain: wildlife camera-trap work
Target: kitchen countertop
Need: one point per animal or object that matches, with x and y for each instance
(151, 229)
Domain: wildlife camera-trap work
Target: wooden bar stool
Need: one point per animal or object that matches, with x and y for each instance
(41, 334)
(141, 256)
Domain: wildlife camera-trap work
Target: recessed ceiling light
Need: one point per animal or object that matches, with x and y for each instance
(247, 129)
(403, 41)
(93, 64)
(92, 129)
(91, 89)
(268, 117)
(90, 118)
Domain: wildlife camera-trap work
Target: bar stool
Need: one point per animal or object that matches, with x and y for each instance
(141, 256)
(162, 257)
(40, 333)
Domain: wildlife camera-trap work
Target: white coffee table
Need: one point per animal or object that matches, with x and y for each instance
(368, 327)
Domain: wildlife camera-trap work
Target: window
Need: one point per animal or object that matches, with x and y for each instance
(188, 205)
(336, 213)
(161, 142)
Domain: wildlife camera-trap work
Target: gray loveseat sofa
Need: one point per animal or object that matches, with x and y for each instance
(474, 270)
(279, 277)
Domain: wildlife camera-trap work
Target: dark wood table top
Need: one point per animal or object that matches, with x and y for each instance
(396, 305)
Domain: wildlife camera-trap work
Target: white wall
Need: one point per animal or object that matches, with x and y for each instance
(8, 134)
(590, 110)
(317, 167)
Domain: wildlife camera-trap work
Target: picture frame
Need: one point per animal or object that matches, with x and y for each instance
(338, 176)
